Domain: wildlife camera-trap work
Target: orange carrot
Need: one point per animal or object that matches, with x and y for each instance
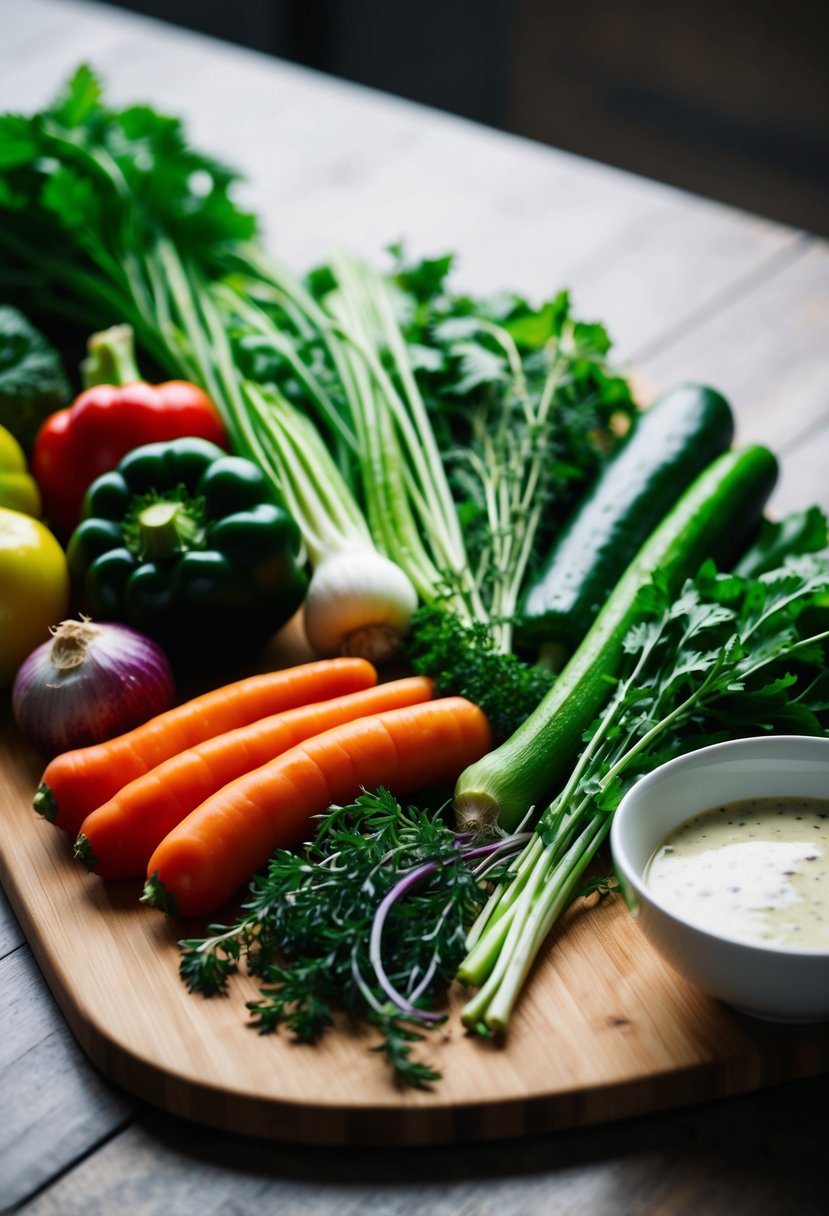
(118, 839)
(76, 782)
(221, 844)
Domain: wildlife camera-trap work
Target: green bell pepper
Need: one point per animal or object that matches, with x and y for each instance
(189, 546)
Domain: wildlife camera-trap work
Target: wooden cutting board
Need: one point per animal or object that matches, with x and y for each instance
(604, 1029)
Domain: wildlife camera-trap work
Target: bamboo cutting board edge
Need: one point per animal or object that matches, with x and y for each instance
(580, 1052)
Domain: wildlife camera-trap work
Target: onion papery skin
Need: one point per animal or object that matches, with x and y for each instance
(89, 683)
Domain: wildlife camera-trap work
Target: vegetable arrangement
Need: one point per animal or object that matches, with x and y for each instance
(114, 213)
(498, 791)
(583, 588)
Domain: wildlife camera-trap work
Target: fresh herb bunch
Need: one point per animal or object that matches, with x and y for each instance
(729, 657)
(462, 660)
(340, 925)
(101, 200)
(526, 407)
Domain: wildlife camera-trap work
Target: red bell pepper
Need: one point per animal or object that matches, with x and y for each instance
(117, 412)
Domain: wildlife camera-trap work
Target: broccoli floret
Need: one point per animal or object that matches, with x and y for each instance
(33, 383)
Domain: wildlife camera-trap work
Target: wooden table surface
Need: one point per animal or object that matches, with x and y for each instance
(689, 290)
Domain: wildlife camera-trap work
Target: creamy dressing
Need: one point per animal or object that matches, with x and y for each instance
(757, 869)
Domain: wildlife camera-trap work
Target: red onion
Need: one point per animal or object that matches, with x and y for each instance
(88, 684)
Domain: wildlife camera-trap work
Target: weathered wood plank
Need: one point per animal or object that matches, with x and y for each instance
(667, 1166)
(54, 1107)
(11, 935)
(678, 269)
(768, 351)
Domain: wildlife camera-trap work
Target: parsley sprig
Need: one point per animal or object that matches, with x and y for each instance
(730, 656)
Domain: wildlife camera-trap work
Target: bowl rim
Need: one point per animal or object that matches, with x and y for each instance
(631, 880)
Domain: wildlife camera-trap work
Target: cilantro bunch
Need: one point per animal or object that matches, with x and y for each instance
(730, 656)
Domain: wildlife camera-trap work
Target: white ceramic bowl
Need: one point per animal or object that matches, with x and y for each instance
(775, 982)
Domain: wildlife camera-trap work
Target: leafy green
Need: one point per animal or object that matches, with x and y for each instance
(305, 931)
(525, 406)
(462, 660)
(729, 657)
(102, 209)
(799, 532)
(33, 383)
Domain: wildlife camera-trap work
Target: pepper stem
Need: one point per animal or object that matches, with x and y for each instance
(111, 358)
(165, 527)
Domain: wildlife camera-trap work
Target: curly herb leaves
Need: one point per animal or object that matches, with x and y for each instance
(463, 661)
(310, 930)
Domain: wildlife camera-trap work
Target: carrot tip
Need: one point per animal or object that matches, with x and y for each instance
(45, 803)
(157, 896)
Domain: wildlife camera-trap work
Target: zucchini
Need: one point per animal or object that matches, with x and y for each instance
(670, 445)
(711, 519)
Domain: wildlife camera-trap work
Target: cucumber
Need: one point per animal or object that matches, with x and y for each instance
(670, 445)
(711, 519)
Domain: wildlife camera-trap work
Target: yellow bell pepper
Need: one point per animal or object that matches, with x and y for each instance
(18, 489)
(34, 588)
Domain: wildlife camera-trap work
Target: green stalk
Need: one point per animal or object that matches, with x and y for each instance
(307, 477)
(362, 307)
(256, 319)
(385, 474)
(551, 884)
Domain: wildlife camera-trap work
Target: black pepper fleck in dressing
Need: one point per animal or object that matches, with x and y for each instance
(759, 866)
